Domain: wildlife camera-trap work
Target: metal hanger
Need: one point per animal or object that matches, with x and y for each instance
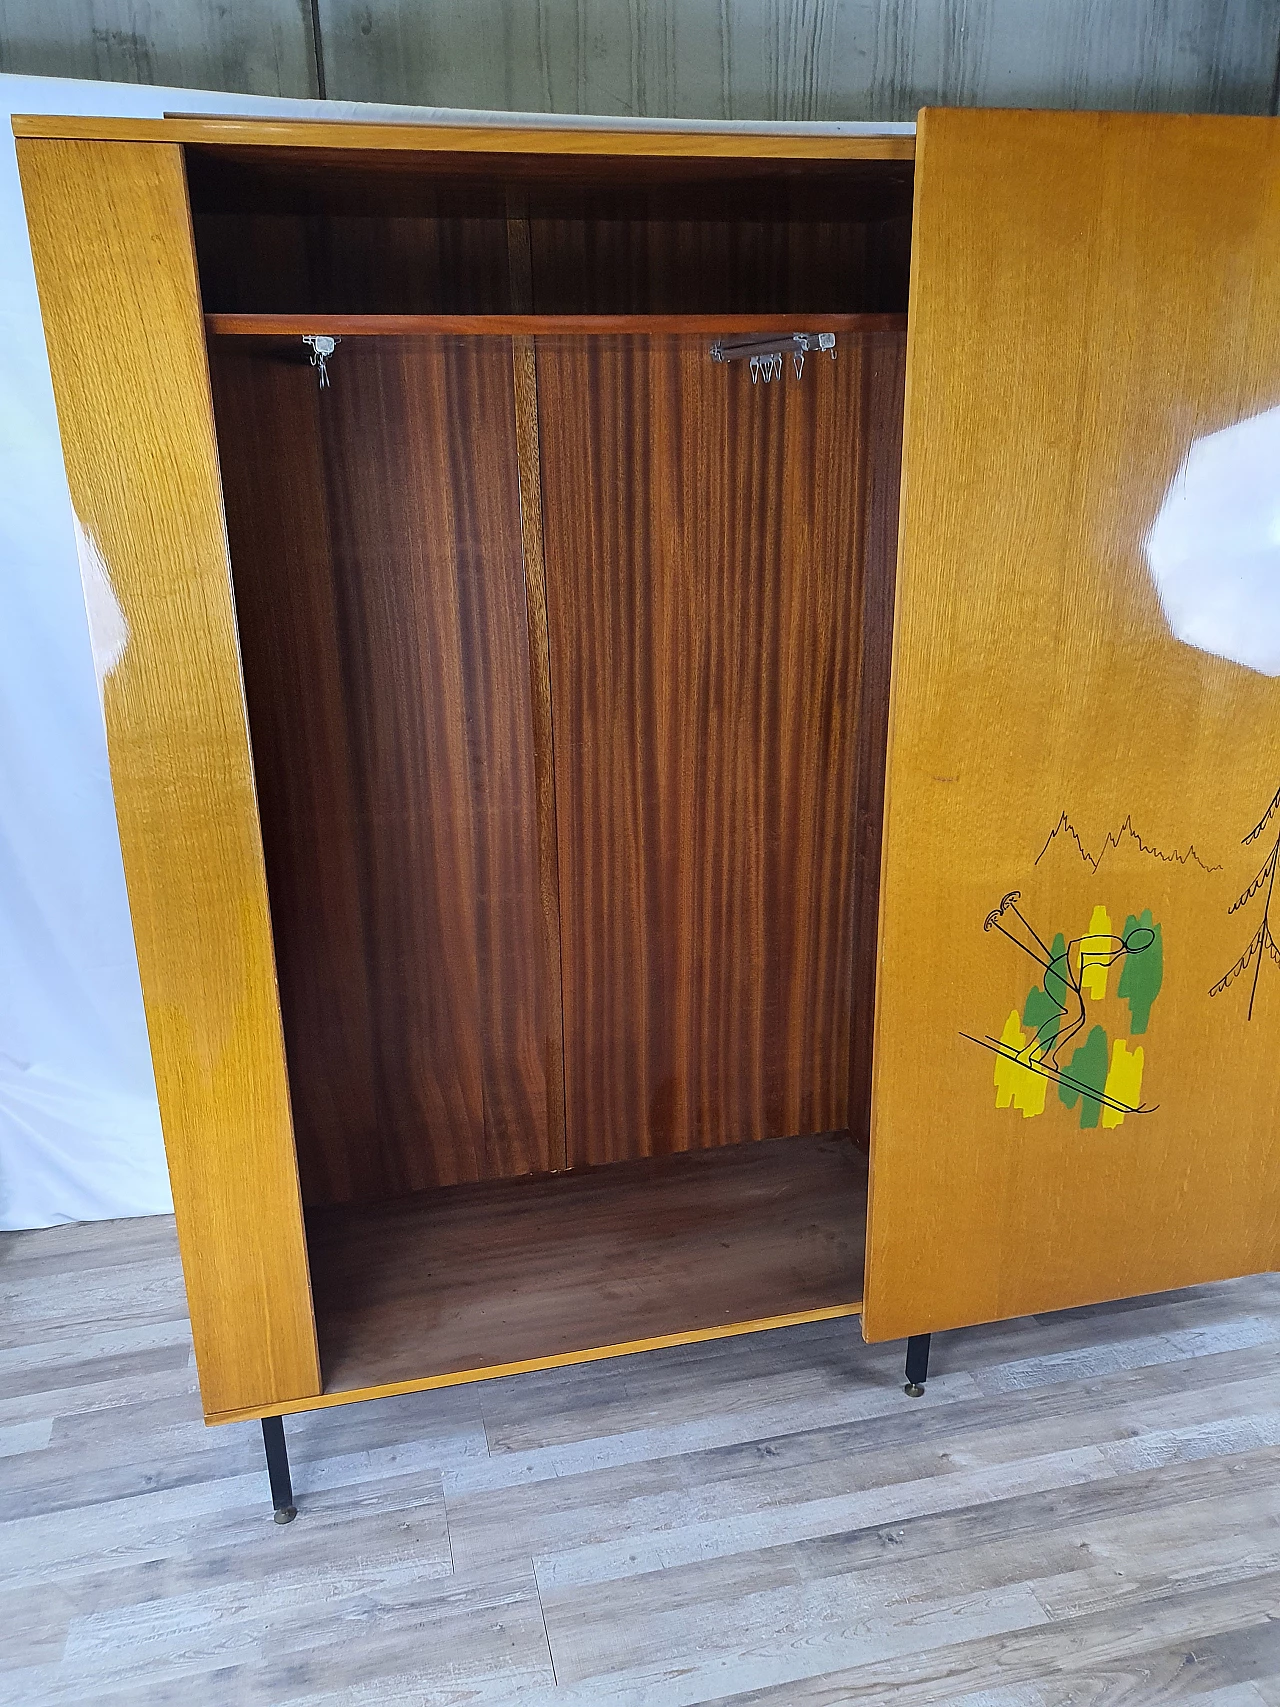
(765, 354)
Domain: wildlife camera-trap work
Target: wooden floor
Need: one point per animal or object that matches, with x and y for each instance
(1082, 1509)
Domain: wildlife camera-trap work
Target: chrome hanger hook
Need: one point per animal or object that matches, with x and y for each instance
(765, 353)
(321, 347)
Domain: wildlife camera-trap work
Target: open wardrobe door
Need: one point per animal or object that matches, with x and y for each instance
(1078, 1001)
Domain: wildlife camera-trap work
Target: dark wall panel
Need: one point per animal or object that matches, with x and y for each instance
(266, 48)
(754, 59)
(761, 59)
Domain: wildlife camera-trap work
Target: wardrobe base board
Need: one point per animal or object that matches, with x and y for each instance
(476, 1281)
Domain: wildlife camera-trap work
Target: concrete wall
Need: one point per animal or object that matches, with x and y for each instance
(785, 59)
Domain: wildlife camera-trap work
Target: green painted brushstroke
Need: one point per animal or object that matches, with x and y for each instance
(1088, 1067)
(1042, 1016)
(1142, 972)
(1044, 1003)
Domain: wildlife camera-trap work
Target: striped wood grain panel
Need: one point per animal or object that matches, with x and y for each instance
(607, 257)
(288, 607)
(704, 565)
(376, 542)
(529, 457)
(335, 263)
(112, 245)
(735, 259)
(299, 231)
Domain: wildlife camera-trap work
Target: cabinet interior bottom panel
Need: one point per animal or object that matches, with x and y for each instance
(471, 1280)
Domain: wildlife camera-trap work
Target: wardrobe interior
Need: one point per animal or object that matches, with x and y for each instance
(566, 655)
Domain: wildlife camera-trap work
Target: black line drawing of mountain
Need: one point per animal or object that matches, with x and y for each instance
(1263, 940)
(1116, 839)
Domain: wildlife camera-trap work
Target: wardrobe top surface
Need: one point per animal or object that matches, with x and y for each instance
(458, 138)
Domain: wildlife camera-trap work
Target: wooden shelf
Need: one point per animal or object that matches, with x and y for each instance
(483, 1280)
(507, 325)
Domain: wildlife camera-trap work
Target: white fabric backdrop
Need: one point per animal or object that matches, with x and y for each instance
(79, 1129)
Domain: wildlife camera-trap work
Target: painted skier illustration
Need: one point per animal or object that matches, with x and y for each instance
(1104, 1078)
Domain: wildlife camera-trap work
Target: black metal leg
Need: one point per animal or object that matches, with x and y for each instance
(917, 1365)
(278, 1469)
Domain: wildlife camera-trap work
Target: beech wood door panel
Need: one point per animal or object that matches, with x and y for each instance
(1078, 1007)
(704, 551)
(376, 545)
(111, 241)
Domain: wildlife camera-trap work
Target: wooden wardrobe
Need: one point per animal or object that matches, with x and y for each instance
(605, 795)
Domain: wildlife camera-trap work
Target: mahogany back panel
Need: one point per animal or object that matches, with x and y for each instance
(705, 544)
(750, 238)
(344, 264)
(376, 550)
(598, 265)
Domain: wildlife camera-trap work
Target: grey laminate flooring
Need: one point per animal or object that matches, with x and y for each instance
(1082, 1509)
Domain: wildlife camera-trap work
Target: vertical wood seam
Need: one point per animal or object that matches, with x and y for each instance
(529, 464)
(519, 254)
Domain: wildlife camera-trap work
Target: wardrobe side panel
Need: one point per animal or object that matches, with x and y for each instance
(704, 588)
(111, 238)
(883, 377)
(269, 419)
(1078, 1007)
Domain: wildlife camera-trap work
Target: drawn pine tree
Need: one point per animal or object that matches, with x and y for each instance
(1263, 941)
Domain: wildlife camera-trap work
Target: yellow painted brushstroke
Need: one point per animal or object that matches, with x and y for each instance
(1096, 947)
(1017, 1086)
(1124, 1081)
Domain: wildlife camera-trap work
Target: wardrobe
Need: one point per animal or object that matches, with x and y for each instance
(695, 719)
